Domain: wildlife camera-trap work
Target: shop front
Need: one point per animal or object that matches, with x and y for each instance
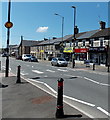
(67, 52)
(81, 54)
(97, 55)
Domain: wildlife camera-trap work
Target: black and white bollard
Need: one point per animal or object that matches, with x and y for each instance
(59, 111)
(18, 75)
(93, 66)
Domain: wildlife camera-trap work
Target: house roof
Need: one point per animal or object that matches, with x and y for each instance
(102, 33)
(29, 42)
(87, 34)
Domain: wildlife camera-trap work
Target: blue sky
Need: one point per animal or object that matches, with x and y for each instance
(27, 17)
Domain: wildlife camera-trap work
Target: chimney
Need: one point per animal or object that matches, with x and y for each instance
(54, 38)
(102, 25)
(45, 39)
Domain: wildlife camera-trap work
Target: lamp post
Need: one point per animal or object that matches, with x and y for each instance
(73, 61)
(8, 25)
(62, 28)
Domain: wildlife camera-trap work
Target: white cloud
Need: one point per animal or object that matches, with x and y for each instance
(42, 29)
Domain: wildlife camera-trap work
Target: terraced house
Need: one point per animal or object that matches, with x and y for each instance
(90, 45)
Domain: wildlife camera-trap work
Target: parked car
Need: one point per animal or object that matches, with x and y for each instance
(26, 57)
(87, 62)
(33, 59)
(19, 57)
(4, 55)
(59, 62)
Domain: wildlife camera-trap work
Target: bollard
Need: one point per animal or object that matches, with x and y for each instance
(73, 63)
(0, 65)
(93, 66)
(108, 69)
(59, 111)
(18, 75)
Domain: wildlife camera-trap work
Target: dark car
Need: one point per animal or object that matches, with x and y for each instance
(19, 57)
(33, 59)
(4, 55)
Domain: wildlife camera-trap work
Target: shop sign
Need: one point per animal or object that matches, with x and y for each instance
(68, 50)
(41, 51)
(81, 50)
(97, 49)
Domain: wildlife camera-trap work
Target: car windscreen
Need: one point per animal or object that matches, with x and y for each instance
(28, 55)
(61, 59)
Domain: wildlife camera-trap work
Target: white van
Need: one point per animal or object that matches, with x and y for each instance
(26, 57)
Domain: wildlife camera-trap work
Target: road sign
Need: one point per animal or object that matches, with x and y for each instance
(8, 24)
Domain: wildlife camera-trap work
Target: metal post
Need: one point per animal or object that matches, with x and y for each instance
(7, 50)
(59, 111)
(93, 66)
(74, 32)
(18, 75)
(62, 31)
(73, 63)
(8, 25)
(108, 70)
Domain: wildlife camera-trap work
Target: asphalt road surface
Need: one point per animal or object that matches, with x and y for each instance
(84, 89)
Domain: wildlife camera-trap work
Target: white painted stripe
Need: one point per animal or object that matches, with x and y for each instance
(104, 111)
(24, 73)
(50, 70)
(96, 82)
(80, 101)
(36, 71)
(62, 70)
(79, 109)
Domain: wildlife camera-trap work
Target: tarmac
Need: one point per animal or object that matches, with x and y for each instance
(25, 101)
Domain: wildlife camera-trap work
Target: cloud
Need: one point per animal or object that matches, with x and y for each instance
(42, 29)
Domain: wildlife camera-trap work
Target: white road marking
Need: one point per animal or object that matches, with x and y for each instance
(50, 70)
(99, 83)
(104, 111)
(36, 71)
(55, 95)
(80, 101)
(24, 73)
(62, 70)
(45, 76)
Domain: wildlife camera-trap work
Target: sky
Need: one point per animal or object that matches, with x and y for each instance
(36, 20)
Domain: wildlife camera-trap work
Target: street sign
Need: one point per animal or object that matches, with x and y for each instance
(8, 24)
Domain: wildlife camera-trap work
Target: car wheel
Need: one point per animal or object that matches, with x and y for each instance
(57, 64)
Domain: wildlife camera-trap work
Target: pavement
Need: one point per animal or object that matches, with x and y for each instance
(23, 100)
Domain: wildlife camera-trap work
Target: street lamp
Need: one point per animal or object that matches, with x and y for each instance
(73, 61)
(8, 25)
(62, 27)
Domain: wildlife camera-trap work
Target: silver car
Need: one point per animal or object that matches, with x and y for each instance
(59, 62)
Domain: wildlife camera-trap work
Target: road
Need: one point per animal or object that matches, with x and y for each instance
(84, 89)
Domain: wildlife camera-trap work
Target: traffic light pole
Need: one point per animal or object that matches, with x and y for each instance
(7, 50)
(8, 25)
